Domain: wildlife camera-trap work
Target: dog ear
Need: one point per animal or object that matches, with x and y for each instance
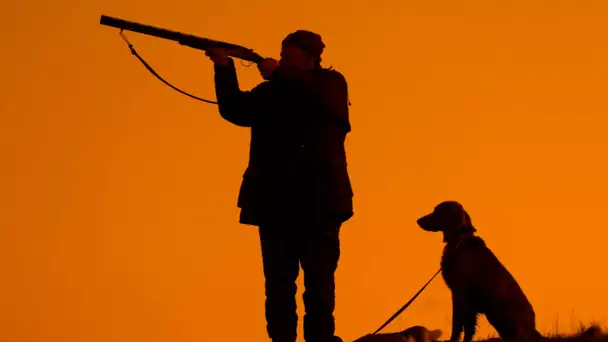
(466, 221)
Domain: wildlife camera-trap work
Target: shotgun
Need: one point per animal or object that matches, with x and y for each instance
(189, 40)
(192, 41)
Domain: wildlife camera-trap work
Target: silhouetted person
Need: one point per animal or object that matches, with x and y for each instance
(296, 187)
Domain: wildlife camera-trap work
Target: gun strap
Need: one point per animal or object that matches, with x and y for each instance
(156, 74)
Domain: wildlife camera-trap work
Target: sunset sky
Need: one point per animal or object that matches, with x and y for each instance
(118, 219)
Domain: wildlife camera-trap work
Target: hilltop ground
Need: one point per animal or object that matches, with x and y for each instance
(586, 333)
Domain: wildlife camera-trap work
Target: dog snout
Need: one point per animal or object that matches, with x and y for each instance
(429, 223)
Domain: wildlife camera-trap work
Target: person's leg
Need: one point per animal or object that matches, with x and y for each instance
(281, 267)
(319, 259)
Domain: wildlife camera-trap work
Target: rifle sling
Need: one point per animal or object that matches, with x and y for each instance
(157, 75)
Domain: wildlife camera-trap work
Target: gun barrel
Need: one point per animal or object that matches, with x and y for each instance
(182, 38)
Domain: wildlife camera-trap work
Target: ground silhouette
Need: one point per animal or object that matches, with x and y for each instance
(585, 333)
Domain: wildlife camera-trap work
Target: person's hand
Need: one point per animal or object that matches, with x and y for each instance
(293, 74)
(267, 66)
(218, 55)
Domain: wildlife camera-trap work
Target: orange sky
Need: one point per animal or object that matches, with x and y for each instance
(119, 220)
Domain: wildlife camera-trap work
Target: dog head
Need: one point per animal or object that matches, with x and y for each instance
(448, 217)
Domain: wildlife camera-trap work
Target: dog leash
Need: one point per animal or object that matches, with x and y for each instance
(411, 300)
(406, 304)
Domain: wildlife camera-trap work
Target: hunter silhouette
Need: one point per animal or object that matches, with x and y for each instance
(296, 187)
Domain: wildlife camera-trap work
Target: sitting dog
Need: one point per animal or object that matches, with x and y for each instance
(414, 334)
(478, 281)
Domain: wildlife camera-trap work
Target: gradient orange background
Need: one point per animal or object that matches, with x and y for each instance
(119, 219)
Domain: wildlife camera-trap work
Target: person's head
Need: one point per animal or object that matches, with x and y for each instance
(302, 49)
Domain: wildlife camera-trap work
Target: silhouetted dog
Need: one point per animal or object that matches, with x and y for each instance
(416, 333)
(479, 283)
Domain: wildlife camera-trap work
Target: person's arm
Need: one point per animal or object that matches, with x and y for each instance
(236, 106)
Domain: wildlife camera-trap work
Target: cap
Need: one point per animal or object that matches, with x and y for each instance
(308, 41)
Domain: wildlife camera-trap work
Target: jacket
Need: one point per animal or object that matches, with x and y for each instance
(297, 159)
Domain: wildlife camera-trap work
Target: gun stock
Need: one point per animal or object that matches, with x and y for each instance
(189, 40)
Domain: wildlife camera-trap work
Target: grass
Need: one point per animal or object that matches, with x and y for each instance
(585, 332)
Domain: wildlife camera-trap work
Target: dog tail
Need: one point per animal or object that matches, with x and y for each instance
(434, 335)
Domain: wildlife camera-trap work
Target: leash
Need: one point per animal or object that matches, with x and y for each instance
(415, 296)
(406, 304)
(156, 74)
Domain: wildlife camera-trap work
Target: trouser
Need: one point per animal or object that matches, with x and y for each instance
(316, 247)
